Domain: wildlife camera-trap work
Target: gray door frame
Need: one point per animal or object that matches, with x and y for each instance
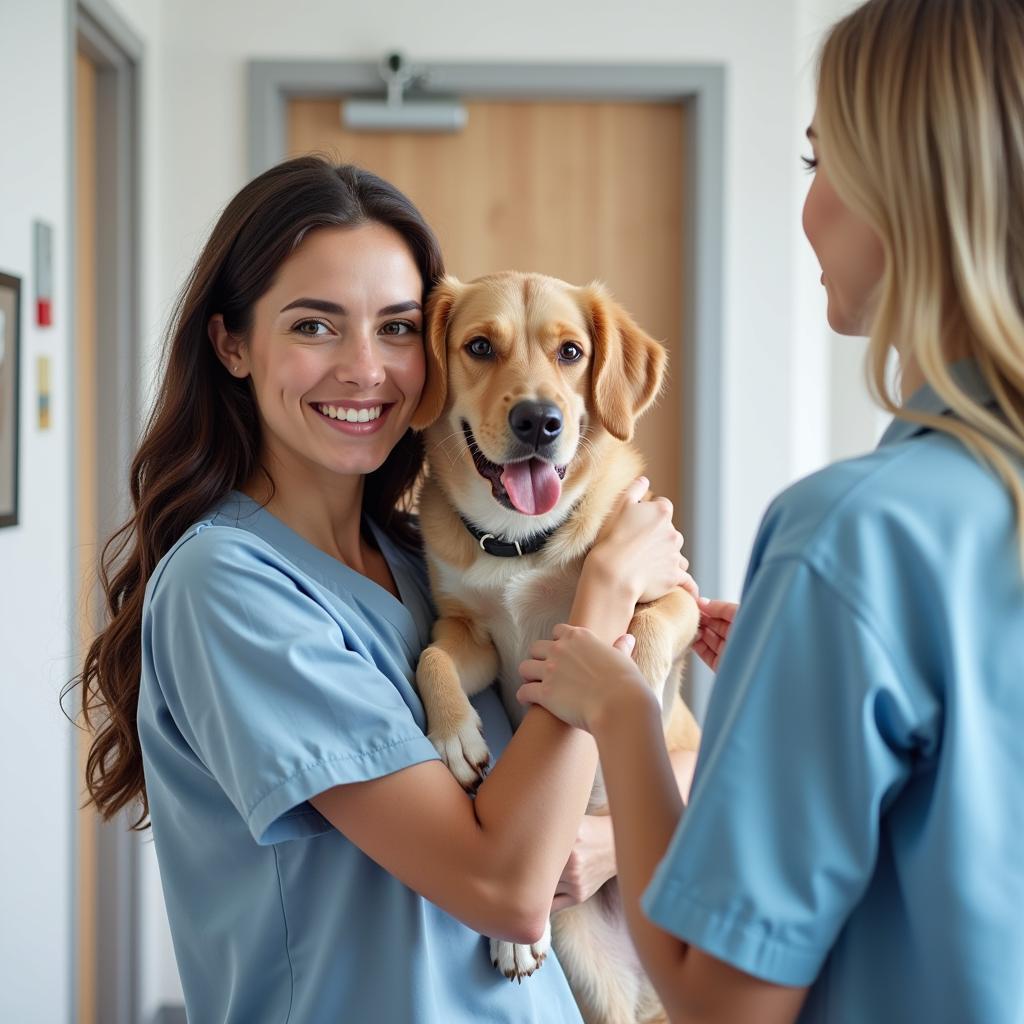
(100, 32)
(701, 88)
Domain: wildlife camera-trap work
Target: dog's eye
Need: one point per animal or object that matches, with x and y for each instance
(480, 348)
(570, 352)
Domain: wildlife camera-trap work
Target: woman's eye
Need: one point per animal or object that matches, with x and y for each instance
(312, 328)
(396, 328)
(810, 163)
(480, 348)
(570, 352)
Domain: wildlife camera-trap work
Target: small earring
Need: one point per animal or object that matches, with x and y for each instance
(234, 369)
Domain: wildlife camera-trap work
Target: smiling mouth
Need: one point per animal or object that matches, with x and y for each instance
(531, 486)
(348, 413)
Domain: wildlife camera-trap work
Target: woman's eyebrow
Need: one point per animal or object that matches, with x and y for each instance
(321, 305)
(400, 307)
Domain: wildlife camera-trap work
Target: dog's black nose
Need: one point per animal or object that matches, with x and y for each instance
(536, 423)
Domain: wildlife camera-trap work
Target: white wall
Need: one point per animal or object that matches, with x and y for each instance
(37, 897)
(35, 755)
(833, 416)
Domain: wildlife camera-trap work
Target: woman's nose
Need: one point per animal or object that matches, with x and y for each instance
(361, 363)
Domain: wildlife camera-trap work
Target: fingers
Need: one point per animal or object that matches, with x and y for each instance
(689, 584)
(635, 491)
(531, 670)
(708, 656)
(663, 505)
(714, 641)
(715, 627)
(529, 693)
(725, 610)
(541, 649)
(625, 643)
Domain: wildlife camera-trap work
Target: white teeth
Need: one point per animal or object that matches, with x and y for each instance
(337, 412)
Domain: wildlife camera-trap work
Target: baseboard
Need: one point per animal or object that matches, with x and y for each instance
(170, 1015)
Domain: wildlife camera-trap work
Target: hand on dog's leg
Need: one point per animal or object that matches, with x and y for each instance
(517, 961)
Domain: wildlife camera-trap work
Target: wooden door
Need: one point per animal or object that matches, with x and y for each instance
(581, 191)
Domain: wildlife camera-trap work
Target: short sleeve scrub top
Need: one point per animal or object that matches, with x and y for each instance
(270, 673)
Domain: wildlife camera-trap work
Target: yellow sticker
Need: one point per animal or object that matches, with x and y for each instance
(43, 388)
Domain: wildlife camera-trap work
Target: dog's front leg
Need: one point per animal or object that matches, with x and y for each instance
(664, 630)
(460, 661)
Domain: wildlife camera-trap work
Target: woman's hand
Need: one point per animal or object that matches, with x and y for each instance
(577, 677)
(590, 865)
(715, 622)
(639, 548)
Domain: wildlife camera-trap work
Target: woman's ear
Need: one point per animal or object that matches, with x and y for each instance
(628, 366)
(231, 350)
(437, 317)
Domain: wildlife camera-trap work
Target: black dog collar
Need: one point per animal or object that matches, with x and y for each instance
(511, 548)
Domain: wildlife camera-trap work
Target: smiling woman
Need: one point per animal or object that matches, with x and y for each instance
(253, 689)
(334, 347)
(205, 435)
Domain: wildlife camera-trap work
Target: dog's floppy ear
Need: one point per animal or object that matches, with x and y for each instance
(628, 366)
(435, 341)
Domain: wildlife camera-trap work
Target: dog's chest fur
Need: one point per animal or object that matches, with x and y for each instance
(517, 601)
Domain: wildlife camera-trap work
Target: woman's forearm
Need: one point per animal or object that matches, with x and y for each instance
(600, 841)
(646, 806)
(604, 603)
(683, 764)
(532, 803)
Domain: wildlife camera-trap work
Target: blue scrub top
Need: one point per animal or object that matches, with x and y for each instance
(270, 673)
(857, 815)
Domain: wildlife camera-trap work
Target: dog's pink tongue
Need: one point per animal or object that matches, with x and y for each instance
(533, 486)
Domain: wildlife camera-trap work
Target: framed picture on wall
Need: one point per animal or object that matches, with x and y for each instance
(10, 320)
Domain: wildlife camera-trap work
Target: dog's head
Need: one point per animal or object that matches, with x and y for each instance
(523, 371)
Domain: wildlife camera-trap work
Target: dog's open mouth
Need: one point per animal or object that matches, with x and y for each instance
(531, 486)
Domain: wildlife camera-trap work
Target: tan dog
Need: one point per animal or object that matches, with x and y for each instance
(533, 387)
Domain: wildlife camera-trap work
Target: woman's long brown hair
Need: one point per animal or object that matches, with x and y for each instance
(202, 438)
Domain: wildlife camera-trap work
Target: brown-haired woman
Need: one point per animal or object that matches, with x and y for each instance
(267, 606)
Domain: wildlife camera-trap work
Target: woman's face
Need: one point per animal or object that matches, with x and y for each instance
(849, 251)
(336, 351)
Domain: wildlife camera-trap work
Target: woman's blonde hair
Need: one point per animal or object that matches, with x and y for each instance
(920, 123)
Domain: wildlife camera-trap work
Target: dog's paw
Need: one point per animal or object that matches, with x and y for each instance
(516, 961)
(465, 752)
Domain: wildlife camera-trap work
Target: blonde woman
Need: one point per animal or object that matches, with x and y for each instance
(853, 849)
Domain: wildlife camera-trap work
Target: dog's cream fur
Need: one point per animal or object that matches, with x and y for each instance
(492, 609)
